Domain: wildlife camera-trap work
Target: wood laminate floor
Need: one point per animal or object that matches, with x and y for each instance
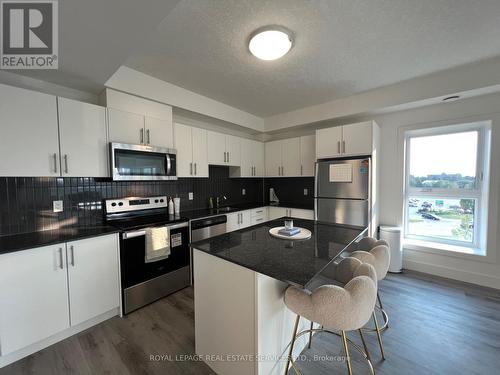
(437, 326)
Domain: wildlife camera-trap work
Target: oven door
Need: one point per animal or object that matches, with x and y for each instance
(141, 162)
(144, 282)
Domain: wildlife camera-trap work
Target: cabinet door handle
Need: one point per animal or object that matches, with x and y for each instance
(301, 170)
(61, 265)
(343, 147)
(338, 147)
(148, 133)
(66, 169)
(141, 135)
(228, 156)
(191, 169)
(72, 251)
(282, 171)
(224, 156)
(55, 162)
(195, 169)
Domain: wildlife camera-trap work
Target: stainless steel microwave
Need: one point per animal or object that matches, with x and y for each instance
(142, 162)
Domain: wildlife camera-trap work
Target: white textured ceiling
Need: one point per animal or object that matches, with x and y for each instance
(96, 37)
(341, 47)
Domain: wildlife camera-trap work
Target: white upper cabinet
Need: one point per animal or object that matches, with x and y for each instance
(290, 157)
(258, 159)
(307, 155)
(82, 131)
(347, 140)
(34, 296)
(125, 127)
(223, 149)
(158, 132)
(149, 124)
(233, 148)
(357, 139)
(192, 156)
(252, 159)
(273, 158)
(29, 143)
(200, 159)
(283, 158)
(93, 285)
(184, 144)
(329, 142)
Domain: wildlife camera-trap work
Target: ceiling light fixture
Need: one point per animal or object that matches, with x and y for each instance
(270, 42)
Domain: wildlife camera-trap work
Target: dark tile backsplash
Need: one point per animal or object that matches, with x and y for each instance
(26, 202)
(291, 189)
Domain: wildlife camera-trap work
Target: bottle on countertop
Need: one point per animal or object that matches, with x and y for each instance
(177, 205)
(170, 206)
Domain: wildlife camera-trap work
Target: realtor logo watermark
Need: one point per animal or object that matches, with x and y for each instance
(29, 34)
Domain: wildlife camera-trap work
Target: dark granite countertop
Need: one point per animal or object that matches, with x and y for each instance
(207, 212)
(31, 240)
(294, 262)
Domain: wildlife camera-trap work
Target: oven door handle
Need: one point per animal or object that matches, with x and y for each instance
(142, 232)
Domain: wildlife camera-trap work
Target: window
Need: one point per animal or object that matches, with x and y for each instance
(445, 190)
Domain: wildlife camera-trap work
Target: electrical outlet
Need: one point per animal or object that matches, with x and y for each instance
(243, 192)
(190, 196)
(58, 206)
(306, 192)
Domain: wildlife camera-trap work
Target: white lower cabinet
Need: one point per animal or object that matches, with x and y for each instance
(277, 212)
(34, 296)
(233, 222)
(246, 218)
(258, 215)
(92, 277)
(47, 290)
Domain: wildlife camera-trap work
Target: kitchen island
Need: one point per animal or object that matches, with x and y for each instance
(242, 325)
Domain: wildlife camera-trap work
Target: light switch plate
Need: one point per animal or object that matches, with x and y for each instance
(306, 192)
(58, 206)
(243, 192)
(190, 196)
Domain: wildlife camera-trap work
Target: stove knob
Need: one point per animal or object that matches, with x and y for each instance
(113, 204)
(156, 200)
(161, 200)
(120, 204)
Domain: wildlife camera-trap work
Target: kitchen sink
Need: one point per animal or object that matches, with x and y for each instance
(225, 209)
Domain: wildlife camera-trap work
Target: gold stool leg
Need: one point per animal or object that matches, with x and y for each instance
(384, 314)
(364, 344)
(296, 326)
(379, 337)
(310, 336)
(346, 350)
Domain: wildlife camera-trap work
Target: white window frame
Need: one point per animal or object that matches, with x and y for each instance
(479, 193)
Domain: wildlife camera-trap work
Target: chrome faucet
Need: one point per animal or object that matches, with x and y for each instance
(218, 200)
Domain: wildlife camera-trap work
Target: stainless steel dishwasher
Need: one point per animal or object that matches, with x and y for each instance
(208, 227)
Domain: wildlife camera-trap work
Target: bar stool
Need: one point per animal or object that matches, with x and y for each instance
(381, 263)
(335, 308)
(379, 258)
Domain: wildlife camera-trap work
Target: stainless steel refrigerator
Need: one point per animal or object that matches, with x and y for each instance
(342, 191)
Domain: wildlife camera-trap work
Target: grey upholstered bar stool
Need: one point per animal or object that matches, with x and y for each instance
(377, 253)
(337, 308)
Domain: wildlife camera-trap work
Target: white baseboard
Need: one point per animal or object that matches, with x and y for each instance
(453, 273)
(24, 352)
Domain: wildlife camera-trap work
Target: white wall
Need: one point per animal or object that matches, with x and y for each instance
(34, 84)
(140, 84)
(483, 271)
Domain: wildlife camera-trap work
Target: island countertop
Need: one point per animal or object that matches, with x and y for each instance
(295, 262)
